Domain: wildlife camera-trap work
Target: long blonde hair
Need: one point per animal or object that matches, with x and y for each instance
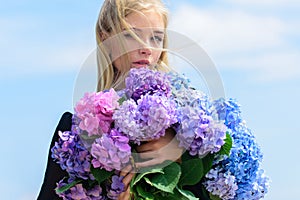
(110, 22)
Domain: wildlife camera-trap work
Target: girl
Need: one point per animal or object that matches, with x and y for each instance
(130, 34)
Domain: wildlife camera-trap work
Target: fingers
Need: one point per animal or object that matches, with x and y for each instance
(148, 155)
(125, 195)
(127, 179)
(157, 143)
(126, 173)
(145, 147)
(126, 170)
(169, 152)
(149, 163)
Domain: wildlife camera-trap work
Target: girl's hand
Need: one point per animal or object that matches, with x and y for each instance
(160, 150)
(128, 175)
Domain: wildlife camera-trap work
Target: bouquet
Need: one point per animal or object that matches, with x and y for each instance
(221, 155)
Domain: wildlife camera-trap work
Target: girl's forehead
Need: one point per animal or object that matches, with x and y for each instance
(145, 19)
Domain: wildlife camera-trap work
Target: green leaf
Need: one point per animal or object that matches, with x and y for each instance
(187, 195)
(204, 193)
(225, 149)
(85, 136)
(137, 178)
(143, 193)
(67, 187)
(100, 174)
(207, 162)
(168, 180)
(214, 197)
(192, 172)
(168, 197)
(186, 156)
(121, 100)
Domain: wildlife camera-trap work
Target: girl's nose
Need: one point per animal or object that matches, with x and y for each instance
(145, 50)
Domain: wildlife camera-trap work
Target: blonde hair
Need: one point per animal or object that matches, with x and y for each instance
(110, 22)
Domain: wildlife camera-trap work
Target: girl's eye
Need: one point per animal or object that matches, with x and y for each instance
(157, 39)
(127, 35)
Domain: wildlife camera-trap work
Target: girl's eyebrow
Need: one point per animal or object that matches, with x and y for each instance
(159, 32)
(140, 30)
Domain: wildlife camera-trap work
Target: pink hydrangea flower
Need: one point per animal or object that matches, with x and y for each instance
(95, 111)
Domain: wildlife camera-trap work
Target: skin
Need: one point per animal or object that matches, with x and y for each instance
(149, 28)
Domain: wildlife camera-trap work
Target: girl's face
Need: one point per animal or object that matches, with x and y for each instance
(149, 27)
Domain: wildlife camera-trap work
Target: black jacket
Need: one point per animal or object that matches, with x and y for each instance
(54, 173)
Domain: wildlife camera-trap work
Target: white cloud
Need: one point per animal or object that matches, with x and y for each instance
(227, 30)
(242, 40)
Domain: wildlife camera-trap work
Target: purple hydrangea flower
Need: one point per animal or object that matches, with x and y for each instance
(95, 111)
(146, 81)
(116, 187)
(146, 119)
(78, 192)
(111, 151)
(71, 154)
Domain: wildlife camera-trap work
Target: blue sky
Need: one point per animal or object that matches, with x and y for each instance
(254, 45)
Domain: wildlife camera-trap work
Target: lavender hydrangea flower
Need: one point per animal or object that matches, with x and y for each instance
(78, 192)
(192, 98)
(116, 187)
(145, 81)
(199, 134)
(221, 184)
(146, 119)
(71, 154)
(95, 111)
(196, 130)
(111, 151)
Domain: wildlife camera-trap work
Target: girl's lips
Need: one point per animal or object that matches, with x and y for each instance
(141, 63)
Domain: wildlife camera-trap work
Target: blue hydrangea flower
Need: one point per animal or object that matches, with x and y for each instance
(228, 111)
(178, 82)
(244, 162)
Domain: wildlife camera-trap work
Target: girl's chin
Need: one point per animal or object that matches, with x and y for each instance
(139, 66)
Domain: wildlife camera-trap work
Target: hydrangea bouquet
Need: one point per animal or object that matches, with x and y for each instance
(221, 155)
